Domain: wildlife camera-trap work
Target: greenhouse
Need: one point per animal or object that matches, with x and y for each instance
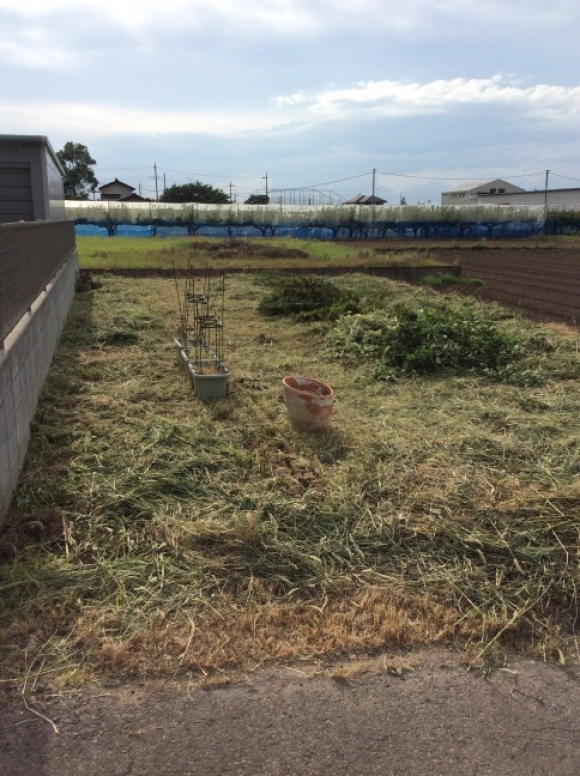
(145, 219)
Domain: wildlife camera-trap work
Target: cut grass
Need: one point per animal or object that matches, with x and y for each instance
(152, 534)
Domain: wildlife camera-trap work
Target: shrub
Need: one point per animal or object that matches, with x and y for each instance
(309, 298)
(422, 341)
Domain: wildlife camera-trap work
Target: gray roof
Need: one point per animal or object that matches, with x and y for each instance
(116, 182)
(475, 185)
(364, 200)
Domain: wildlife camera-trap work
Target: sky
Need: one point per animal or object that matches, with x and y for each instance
(413, 97)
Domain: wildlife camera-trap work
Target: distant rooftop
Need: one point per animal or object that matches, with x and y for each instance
(364, 200)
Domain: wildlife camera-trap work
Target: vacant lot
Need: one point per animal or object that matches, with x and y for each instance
(153, 534)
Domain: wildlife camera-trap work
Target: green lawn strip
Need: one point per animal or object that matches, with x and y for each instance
(260, 253)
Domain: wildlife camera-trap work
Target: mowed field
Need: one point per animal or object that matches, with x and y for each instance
(153, 534)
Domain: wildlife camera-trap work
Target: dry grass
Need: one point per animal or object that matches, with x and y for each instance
(155, 535)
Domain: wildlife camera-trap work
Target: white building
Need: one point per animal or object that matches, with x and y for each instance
(470, 193)
(500, 192)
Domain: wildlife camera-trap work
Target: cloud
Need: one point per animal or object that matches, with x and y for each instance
(106, 120)
(362, 102)
(153, 23)
(34, 50)
(400, 98)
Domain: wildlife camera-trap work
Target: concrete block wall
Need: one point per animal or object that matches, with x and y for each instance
(24, 365)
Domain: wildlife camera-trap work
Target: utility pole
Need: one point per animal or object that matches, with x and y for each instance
(546, 199)
(266, 176)
(373, 205)
(156, 187)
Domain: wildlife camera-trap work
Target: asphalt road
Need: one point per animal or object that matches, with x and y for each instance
(437, 719)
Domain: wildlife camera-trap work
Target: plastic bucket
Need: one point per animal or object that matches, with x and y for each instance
(308, 403)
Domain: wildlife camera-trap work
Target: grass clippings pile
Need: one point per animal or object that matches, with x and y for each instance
(153, 534)
(307, 298)
(423, 341)
(248, 249)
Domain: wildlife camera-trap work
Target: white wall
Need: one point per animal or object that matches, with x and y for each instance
(557, 199)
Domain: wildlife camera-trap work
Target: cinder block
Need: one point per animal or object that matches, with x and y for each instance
(4, 438)
(10, 414)
(6, 490)
(5, 378)
(15, 465)
(23, 371)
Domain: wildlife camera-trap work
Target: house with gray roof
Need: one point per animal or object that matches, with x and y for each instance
(117, 191)
(470, 193)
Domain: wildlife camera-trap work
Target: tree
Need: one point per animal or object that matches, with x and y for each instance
(80, 180)
(257, 199)
(195, 192)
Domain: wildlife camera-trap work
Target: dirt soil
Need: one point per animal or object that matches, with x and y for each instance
(541, 282)
(540, 279)
(227, 249)
(415, 715)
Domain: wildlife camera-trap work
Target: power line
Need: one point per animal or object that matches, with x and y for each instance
(558, 175)
(179, 172)
(328, 183)
(213, 175)
(437, 178)
(332, 182)
(119, 169)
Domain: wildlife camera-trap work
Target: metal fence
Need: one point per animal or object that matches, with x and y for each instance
(30, 255)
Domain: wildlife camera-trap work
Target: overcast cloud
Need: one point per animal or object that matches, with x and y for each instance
(426, 92)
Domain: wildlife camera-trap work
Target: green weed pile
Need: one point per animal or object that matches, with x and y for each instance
(423, 341)
(308, 298)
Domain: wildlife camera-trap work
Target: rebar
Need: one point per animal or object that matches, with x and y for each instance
(202, 314)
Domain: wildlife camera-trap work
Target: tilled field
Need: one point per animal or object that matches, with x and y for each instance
(540, 277)
(543, 282)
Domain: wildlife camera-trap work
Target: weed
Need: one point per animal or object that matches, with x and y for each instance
(447, 280)
(308, 298)
(422, 341)
(119, 337)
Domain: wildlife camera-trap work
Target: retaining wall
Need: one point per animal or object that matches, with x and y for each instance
(24, 365)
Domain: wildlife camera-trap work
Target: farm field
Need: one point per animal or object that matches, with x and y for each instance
(540, 276)
(267, 253)
(155, 535)
(260, 253)
(541, 282)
